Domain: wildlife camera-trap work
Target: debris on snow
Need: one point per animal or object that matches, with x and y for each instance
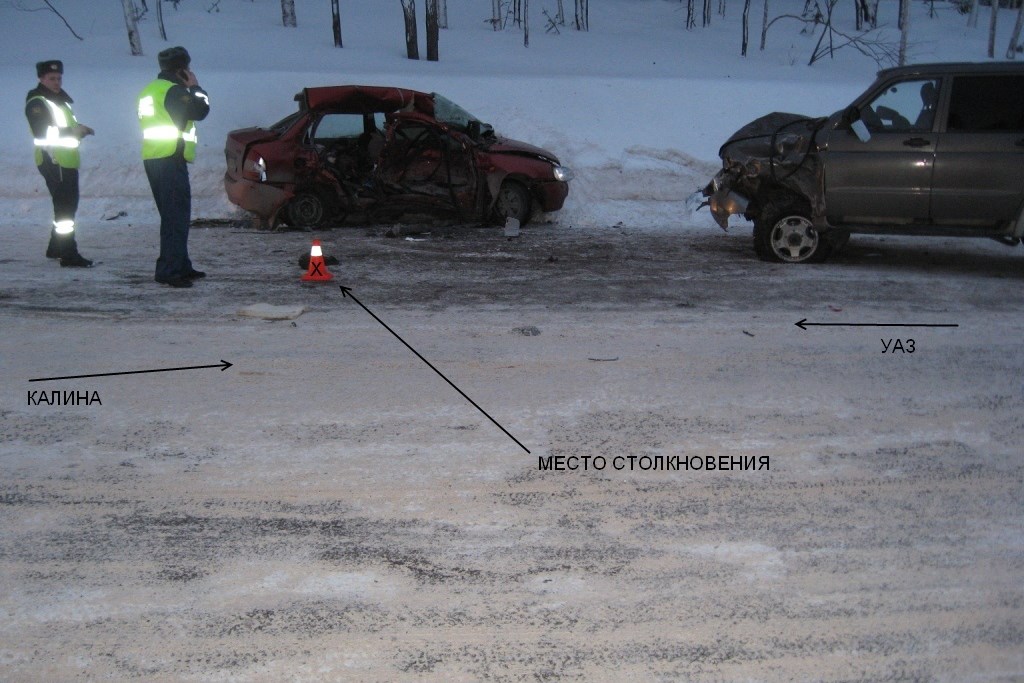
(272, 312)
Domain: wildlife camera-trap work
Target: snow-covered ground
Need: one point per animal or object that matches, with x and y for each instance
(328, 509)
(638, 105)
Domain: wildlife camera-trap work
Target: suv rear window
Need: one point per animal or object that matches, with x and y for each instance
(987, 103)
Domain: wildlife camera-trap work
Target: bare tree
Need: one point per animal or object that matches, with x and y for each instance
(336, 22)
(526, 23)
(134, 39)
(496, 15)
(871, 12)
(442, 14)
(764, 26)
(54, 10)
(866, 12)
(432, 30)
(1011, 52)
(707, 13)
(691, 15)
(746, 27)
(832, 39)
(905, 30)
(288, 13)
(582, 15)
(992, 29)
(160, 18)
(412, 48)
(972, 17)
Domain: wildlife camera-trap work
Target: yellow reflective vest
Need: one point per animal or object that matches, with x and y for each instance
(159, 134)
(63, 148)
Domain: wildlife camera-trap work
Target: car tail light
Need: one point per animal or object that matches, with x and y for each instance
(254, 167)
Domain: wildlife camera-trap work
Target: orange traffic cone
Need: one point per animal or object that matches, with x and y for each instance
(317, 268)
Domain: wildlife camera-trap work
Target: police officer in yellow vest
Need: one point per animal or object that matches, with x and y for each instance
(168, 110)
(58, 135)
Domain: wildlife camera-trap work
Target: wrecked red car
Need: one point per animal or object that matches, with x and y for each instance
(381, 153)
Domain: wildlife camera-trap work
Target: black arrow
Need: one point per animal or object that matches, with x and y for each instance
(347, 292)
(803, 324)
(223, 365)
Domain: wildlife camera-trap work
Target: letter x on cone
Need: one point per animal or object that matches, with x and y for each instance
(317, 268)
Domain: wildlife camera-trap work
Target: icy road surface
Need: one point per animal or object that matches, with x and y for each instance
(329, 509)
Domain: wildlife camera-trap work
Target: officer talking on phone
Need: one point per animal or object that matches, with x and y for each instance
(168, 110)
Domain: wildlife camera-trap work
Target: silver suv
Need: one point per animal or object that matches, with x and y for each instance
(930, 149)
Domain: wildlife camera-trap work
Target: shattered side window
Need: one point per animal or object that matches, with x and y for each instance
(903, 107)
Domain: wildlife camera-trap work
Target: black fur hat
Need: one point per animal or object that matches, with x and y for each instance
(174, 58)
(54, 65)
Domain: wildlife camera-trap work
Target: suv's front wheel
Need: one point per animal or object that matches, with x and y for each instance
(783, 232)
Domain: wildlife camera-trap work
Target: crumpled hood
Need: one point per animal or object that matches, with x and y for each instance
(760, 138)
(508, 146)
(780, 149)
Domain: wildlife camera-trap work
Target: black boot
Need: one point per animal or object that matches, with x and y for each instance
(53, 248)
(69, 256)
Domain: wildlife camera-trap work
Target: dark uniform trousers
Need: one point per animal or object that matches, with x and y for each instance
(168, 178)
(63, 186)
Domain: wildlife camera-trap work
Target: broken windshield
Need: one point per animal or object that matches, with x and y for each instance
(448, 112)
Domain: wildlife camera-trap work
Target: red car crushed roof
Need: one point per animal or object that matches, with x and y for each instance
(382, 153)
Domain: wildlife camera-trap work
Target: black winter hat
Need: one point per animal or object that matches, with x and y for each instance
(54, 65)
(174, 58)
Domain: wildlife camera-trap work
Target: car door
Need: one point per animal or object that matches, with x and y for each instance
(887, 179)
(337, 138)
(427, 160)
(978, 180)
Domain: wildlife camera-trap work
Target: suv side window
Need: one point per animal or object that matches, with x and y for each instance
(987, 103)
(903, 107)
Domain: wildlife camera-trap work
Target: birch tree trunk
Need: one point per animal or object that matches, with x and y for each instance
(582, 15)
(432, 30)
(160, 19)
(496, 14)
(442, 16)
(412, 48)
(905, 30)
(746, 27)
(972, 18)
(992, 29)
(336, 22)
(764, 26)
(288, 13)
(134, 39)
(526, 23)
(1011, 52)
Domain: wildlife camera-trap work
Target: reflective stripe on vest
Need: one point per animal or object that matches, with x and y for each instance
(159, 134)
(63, 149)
